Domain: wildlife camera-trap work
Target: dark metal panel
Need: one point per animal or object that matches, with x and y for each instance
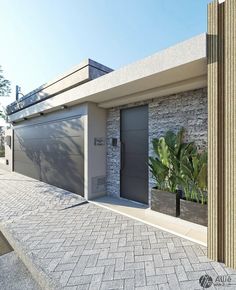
(28, 169)
(70, 145)
(134, 165)
(54, 129)
(134, 153)
(135, 189)
(134, 118)
(52, 152)
(64, 171)
(137, 137)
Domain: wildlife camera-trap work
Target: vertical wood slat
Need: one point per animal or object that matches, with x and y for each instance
(212, 130)
(230, 133)
(222, 132)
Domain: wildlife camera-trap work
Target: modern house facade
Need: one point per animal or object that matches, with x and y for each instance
(90, 130)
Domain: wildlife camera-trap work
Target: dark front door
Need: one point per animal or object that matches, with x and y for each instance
(134, 154)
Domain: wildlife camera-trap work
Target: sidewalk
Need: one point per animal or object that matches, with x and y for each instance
(67, 243)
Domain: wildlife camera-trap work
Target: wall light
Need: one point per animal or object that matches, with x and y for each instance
(64, 107)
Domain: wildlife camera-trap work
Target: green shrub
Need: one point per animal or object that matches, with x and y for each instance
(178, 165)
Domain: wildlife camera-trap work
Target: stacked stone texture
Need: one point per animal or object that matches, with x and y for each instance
(186, 109)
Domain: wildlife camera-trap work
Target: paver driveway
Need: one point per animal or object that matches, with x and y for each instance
(77, 245)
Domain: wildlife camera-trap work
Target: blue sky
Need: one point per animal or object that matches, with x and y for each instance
(42, 38)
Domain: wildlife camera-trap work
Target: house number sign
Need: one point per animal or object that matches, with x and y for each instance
(99, 141)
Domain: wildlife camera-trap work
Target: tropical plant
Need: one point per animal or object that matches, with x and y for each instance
(165, 166)
(159, 165)
(178, 165)
(194, 172)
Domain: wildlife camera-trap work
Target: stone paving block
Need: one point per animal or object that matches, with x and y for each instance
(124, 274)
(83, 287)
(65, 277)
(177, 255)
(202, 266)
(89, 247)
(191, 285)
(165, 270)
(186, 264)
(195, 275)
(70, 288)
(93, 270)
(115, 284)
(152, 287)
(109, 272)
(180, 272)
(65, 267)
(143, 258)
(164, 286)
(140, 278)
(129, 284)
(173, 281)
(120, 264)
(167, 263)
(149, 268)
(156, 280)
(78, 280)
(135, 266)
(158, 261)
(165, 253)
(218, 268)
(53, 264)
(80, 266)
(129, 257)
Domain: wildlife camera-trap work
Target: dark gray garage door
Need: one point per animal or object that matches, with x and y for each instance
(52, 152)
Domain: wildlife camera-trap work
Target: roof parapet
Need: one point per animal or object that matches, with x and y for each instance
(84, 72)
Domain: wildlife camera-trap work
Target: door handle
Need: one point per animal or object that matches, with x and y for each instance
(122, 159)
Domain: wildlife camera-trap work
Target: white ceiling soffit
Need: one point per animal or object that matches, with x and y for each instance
(166, 90)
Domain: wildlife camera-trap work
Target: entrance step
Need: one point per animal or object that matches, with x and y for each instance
(193, 232)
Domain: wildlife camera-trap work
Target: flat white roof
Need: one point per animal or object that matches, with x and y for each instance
(179, 68)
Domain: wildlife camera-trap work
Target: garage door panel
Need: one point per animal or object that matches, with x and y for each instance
(54, 129)
(66, 145)
(65, 172)
(28, 169)
(67, 166)
(52, 152)
(30, 157)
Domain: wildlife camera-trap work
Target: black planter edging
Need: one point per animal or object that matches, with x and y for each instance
(165, 202)
(193, 212)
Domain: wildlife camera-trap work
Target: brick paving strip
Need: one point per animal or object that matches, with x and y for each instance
(67, 243)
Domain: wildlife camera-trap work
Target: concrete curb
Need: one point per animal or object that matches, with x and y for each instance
(30, 261)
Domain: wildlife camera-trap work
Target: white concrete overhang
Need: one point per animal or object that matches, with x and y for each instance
(176, 69)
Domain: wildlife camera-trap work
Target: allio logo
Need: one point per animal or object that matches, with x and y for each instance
(205, 281)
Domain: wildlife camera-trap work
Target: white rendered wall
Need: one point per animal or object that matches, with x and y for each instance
(94, 152)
